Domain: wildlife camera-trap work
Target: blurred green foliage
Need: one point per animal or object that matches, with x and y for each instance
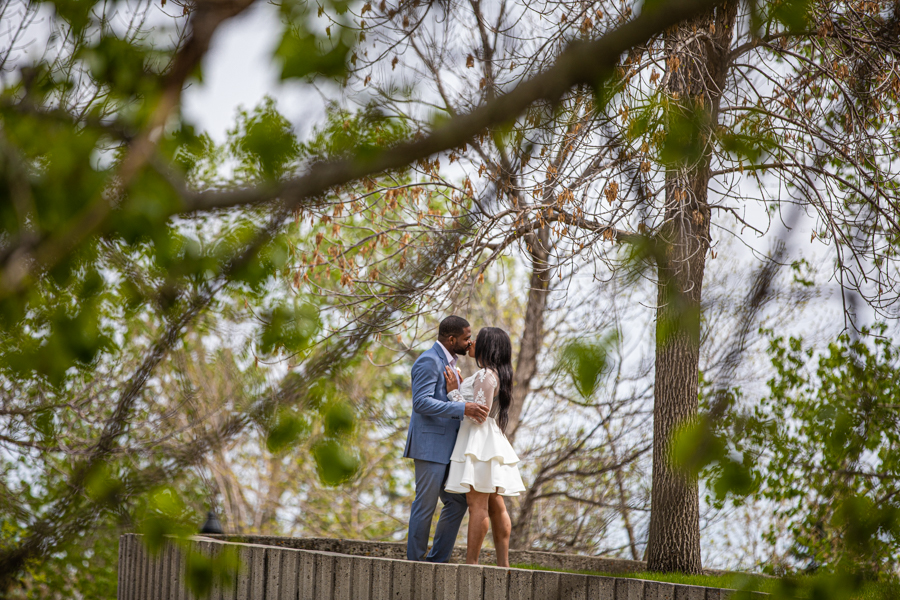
(76, 332)
(263, 143)
(822, 449)
(586, 362)
(830, 429)
(78, 324)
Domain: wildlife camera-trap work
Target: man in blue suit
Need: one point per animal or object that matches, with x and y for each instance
(432, 434)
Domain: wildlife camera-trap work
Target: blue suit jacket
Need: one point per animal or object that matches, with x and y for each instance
(435, 420)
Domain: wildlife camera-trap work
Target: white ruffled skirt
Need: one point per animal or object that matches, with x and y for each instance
(483, 460)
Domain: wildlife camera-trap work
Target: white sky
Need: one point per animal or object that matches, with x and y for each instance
(238, 71)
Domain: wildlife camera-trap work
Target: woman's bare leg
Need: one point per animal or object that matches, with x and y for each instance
(478, 525)
(501, 528)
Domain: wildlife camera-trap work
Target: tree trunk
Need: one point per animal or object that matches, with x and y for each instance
(533, 329)
(268, 510)
(526, 368)
(696, 53)
(623, 495)
(520, 535)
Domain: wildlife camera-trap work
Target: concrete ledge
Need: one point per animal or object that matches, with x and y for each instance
(397, 550)
(287, 571)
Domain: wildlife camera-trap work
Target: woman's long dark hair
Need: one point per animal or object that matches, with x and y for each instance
(493, 350)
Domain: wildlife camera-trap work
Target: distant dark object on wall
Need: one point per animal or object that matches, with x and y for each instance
(212, 525)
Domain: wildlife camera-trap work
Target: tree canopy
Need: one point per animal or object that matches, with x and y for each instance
(144, 268)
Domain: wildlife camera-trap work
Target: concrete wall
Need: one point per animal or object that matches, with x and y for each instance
(550, 560)
(282, 572)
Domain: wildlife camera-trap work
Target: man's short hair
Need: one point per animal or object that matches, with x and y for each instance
(452, 326)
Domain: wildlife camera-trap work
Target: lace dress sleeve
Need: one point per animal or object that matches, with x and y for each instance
(456, 396)
(485, 387)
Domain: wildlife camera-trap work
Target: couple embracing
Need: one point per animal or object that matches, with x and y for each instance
(456, 438)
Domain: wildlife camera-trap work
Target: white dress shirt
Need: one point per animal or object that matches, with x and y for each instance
(451, 358)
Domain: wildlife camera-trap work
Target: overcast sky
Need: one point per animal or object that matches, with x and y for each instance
(239, 71)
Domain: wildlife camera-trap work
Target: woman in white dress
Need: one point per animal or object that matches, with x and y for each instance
(483, 463)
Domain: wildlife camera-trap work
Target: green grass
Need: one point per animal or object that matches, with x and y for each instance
(738, 581)
(763, 584)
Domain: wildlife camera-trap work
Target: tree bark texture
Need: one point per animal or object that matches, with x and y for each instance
(526, 368)
(624, 511)
(696, 59)
(533, 328)
(520, 535)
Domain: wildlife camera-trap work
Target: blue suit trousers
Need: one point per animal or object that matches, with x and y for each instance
(430, 480)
